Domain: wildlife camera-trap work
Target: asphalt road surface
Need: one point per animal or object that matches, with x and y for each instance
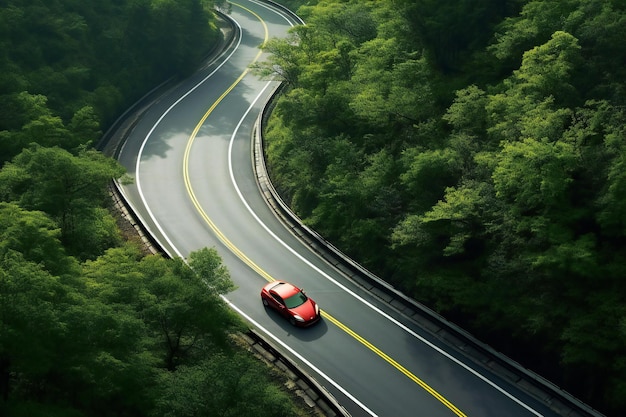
(191, 159)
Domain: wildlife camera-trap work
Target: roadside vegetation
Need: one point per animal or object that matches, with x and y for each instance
(89, 325)
(471, 153)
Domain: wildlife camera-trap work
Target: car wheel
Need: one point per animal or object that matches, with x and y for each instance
(265, 303)
(292, 321)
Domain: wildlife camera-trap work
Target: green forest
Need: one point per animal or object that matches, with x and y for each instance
(472, 154)
(89, 324)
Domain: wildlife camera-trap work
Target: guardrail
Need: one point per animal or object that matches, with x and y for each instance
(110, 144)
(317, 395)
(556, 398)
(284, 9)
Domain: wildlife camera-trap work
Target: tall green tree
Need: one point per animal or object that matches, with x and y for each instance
(184, 315)
(472, 155)
(223, 385)
(71, 189)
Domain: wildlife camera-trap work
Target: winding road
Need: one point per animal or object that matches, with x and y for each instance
(191, 158)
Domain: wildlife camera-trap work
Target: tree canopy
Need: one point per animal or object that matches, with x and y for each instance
(67, 68)
(123, 334)
(89, 325)
(471, 153)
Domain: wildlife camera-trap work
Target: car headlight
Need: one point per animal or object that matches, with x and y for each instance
(297, 317)
(317, 310)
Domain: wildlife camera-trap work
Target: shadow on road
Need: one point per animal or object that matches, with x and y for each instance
(306, 334)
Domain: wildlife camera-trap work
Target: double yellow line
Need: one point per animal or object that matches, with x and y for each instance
(394, 363)
(264, 274)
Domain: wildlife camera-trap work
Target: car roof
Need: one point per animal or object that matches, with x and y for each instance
(284, 289)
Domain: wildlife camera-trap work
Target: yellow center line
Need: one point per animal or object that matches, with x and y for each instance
(394, 363)
(192, 139)
(264, 274)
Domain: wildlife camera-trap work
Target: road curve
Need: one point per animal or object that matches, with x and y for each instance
(191, 158)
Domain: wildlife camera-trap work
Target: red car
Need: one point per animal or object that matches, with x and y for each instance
(291, 302)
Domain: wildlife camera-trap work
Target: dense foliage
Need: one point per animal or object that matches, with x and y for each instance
(122, 335)
(68, 67)
(472, 153)
(89, 326)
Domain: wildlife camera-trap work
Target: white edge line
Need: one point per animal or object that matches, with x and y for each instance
(143, 144)
(136, 213)
(275, 10)
(344, 288)
(367, 303)
(233, 306)
(300, 357)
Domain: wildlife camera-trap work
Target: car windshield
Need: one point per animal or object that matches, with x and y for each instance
(295, 300)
